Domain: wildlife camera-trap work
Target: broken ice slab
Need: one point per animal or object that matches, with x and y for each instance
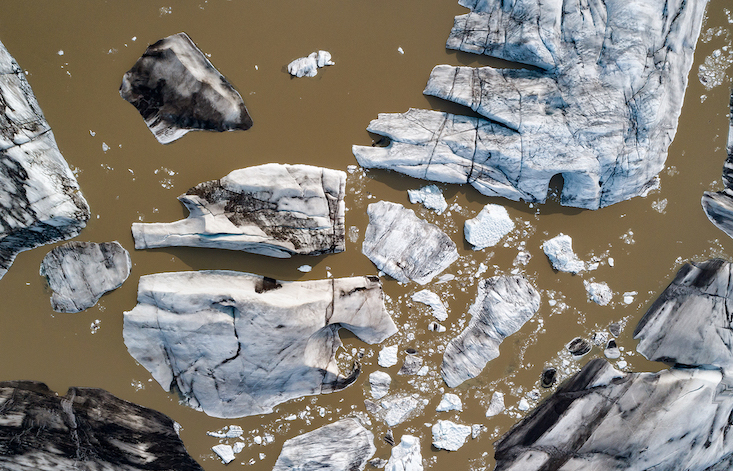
(272, 209)
(234, 344)
(176, 90)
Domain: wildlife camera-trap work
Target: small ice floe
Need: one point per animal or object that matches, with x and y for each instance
(435, 327)
(379, 382)
(433, 300)
(612, 351)
(398, 409)
(559, 250)
(308, 66)
(388, 356)
(400, 50)
(449, 436)
(430, 196)
(305, 268)
(225, 452)
(449, 402)
(599, 293)
(488, 227)
(579, 347)
(496, 406)
(629, 296)
(523, 405)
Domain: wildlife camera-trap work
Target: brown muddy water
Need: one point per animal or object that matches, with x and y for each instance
(315, 121)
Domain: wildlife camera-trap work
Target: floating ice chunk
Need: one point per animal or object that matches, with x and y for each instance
(235, 431)
(599, 293)
(305, 268)
(449, 436)
(476, 429)
(487, 229)
(308, 66)
(480, 270)
(433, 300)
(435, 327)
(388, 356)
(105, 147)
(611, 262)
(629, 296)
(559, 250)
(225, 452)
(379, 382)
(238, 447)
(61, 53)
(400, 50)
(496, 406)
(258, 440)
(523, 405)
(423, 371)
(430, 196)
(406, 456)
(411, 365)
(399, 409)
(449, 402)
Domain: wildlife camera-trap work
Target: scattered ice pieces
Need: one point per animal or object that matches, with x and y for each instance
(496, 406)
(629, 296)
(476, 430)
(308, 66)
(559, 250)
(599, 293)
(523, 405)
(430, 196)
(379, 382)
(449, 402)
(660, 205)
(305, 268)
(388, 356)
(433, 300)
(449, 436)
(225, 452)
(487, 229)
(353, 234)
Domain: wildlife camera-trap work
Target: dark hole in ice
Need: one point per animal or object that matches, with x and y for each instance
(411, 351)
(554, 188)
